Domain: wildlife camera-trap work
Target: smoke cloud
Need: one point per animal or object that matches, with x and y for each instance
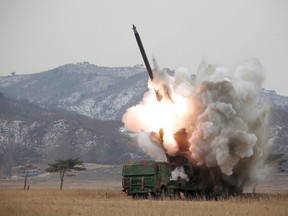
(214, 118)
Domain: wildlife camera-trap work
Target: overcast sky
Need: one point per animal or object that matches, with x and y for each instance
(38, 35)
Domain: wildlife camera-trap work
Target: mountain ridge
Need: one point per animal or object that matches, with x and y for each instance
(31, 134)
(95, 91)
(76, 110)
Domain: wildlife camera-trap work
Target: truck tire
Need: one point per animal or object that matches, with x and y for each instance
(139, 196)
(163, 193)
(174, 194)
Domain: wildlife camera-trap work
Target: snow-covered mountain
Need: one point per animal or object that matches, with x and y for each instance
(30, 134)
(98, 92)
(98, 97)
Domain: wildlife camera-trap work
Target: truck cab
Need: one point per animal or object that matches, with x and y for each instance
(145, 177)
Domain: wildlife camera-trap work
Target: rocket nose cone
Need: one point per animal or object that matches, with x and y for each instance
(134, 28)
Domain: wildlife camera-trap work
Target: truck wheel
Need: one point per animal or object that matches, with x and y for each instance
(189, 195)
(163, 193)
(175, 194)
(139, 196)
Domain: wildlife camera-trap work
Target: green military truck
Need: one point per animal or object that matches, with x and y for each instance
(159, 179)
(145, 177)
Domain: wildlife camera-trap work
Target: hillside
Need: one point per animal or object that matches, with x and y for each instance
(76, 110)
(97, 92)
(94, 91)
(30, 134)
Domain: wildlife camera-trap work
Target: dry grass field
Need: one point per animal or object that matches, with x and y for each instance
(97, 191)
(46, 202)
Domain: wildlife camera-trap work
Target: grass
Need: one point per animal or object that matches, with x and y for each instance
(46, 202)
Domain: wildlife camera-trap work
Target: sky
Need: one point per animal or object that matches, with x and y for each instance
(38, 35)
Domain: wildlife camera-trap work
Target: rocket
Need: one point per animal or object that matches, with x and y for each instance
(142, 50)
(163, 90)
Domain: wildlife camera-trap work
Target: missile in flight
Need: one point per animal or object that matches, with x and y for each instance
(163, 90)
(142, 50)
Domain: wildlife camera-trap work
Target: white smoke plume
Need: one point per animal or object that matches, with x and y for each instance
(214, 117)
(179, 172)
(148, 146)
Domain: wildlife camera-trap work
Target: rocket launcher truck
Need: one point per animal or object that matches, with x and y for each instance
(177, 175)
(159, 179)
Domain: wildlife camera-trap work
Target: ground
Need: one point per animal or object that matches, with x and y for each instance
(97, 191)
(109, 176)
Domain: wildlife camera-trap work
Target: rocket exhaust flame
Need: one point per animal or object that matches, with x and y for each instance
(215, 121)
